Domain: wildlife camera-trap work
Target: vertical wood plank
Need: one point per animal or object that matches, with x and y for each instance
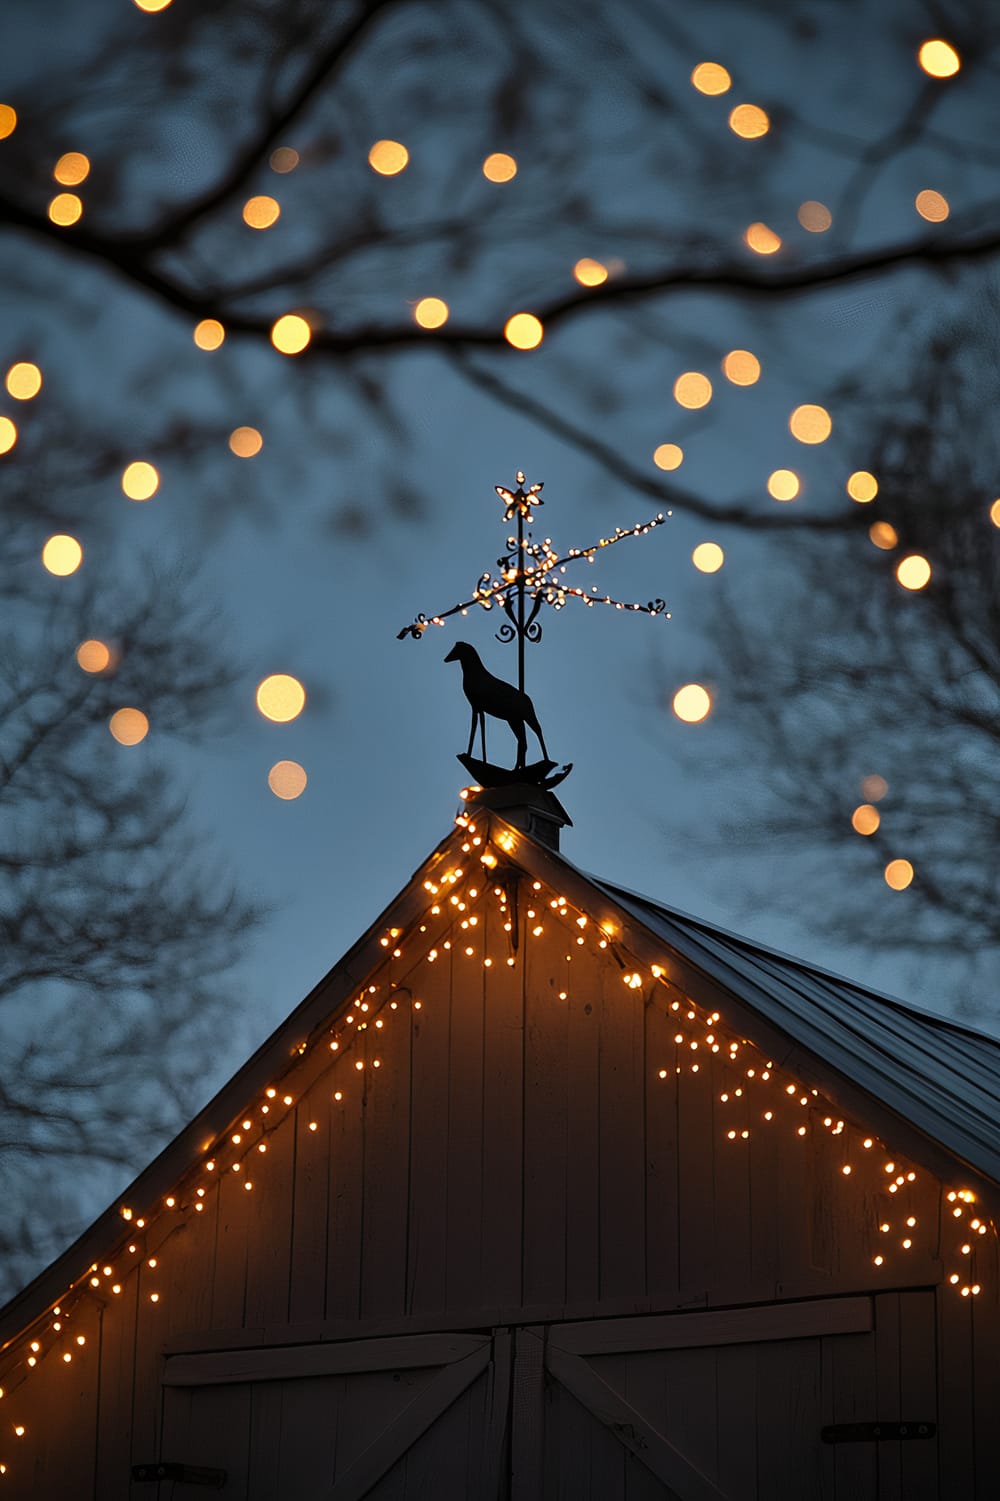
(427, 1251)
(791, 1459)
(958, 1433)
(265, 1479)
(986, 1358)
(662, 1271)
(311, 1204)
(346, 1193)
(528, 1407)
(308, 1440)
(850, 1396)
(545, 1094)
(385, 1122)
(887, 1392)
(697, 1129)
(736, 1417)
(503, 1123)
(918, 1393)
(583, 1144)
(269, 1226)
(117, 1367)
(465, 1115)
(622, 1139)
(230, 1270)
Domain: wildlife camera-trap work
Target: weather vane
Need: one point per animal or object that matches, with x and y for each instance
(530, 574)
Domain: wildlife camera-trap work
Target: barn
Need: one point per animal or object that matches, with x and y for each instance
(545, 1191)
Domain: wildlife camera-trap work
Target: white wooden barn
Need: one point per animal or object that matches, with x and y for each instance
(544, 1192)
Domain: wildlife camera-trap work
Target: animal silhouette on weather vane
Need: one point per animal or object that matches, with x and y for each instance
(530, 574)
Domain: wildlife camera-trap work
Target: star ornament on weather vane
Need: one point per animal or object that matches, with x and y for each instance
(529, 575)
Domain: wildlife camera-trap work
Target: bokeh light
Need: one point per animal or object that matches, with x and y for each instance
(431, 312)
(245, 442)
(590, 273)
(883, 535)
(388, 158)
(23, 381)
(523, 331)
(692, 703)
(209, 333)
(898, 874)
(284, 159)
(8, 120)
(874, 787)
(810, 424)
(862, 486)
(671, 456)
(865, 819)
(287, 780)
(499, 167)
(939, 58)
(708, 557)
(913, 571)
(290, 334)
(741, 367)
(8, 435)
(62, 555)
(711, 78)
(692, 390)
(128, 726)
(280, 697)
(760, 239)
(931, 206)
(93, 656)
(65, 208)
(783, 484)
(140, 480)
(749, 121)
(71, 169)
(152, 6)
(995, 513)
(261, 212)
(814, 216)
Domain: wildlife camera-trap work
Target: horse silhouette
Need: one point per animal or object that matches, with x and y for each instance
(491, 695)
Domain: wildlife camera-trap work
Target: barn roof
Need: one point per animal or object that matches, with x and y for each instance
(941, 1076)
(941, 1081)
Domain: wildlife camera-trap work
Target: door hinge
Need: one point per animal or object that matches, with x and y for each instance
(164, 1469)
(861, 1433)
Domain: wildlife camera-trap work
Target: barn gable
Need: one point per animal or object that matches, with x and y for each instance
(531, 1129)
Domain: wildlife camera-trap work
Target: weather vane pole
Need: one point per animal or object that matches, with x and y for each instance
(529, 575)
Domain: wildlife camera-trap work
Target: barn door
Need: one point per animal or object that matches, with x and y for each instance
(417, 1416)
(802, 1402)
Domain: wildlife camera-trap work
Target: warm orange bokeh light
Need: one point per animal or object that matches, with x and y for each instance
(931, 206)
(762, 240)
(287, 780)
(692, 390)
(261, 212)
(284, 159)
(590, 273)
(128, 726)
(692, 703)
(749, 121)
(883, 535)
(71, 169)
(874, 787)
(431, 312)
(862, 486)
(62, 555)
(741, 367)
(913, 571)
(140, 480)
(388, 158)
(290, 334)
(995, 513)
(245, 442)
(8, 435)
(865, 819)
(524, 331)
(93, 656)
(814, 216)
(281, 697)
(708, 557)
(810, 424)
(24, 380)
(8, 120)
(209, 333)
(671, 456)
(499, 167)
(65, 209)
(939, 58)
(783, 484)
(711, 78)
(898, 874)
(152, 6)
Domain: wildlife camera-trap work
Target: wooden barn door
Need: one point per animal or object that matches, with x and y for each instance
(788, 1402)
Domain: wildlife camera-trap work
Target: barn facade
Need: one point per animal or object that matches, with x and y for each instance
(544, 1192)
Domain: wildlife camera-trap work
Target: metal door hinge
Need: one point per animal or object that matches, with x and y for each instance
(860, 1433)
(163, 1469)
